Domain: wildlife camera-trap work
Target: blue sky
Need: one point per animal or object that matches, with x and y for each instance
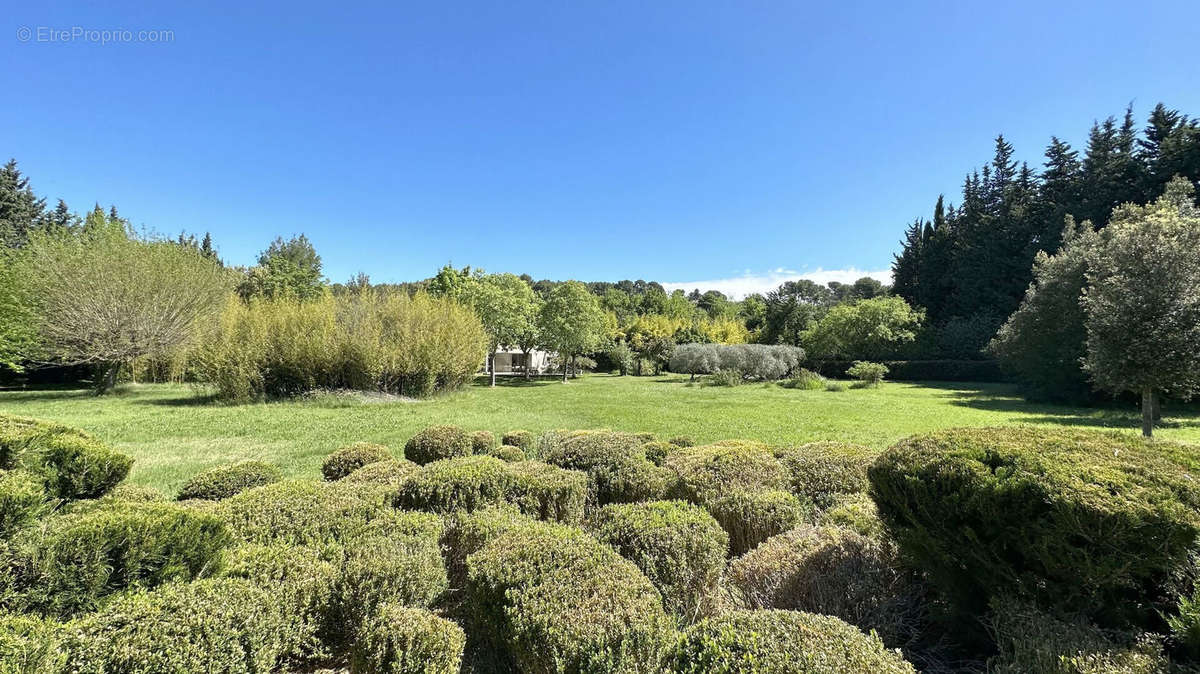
(734, 142)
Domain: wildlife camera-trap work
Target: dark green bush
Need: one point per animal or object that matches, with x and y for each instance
(751, 517)
(302, 580)
(22, 500)
(437, 442)
(656, 452)
(350, 458)
(407, 570)
(30, 645)
(824, 471)
(467, 532)
(1033, 642)
(402, 640)
(616, 464)
(682, 441)
(474, 482)
(302, 512)
(520, 438)
(507, 453)
(831, 571)
(82, 558)
(926, 370)
(390, 473)
(482, 442)
(229, 480)
(1075, 521)
(782, 642)
(73, 464)
(679, 547)
(216, 626)
(554, 599)
(712, 470)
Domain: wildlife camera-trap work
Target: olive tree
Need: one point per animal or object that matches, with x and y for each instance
(571, 322)
(1142, 303)
(505, 305)
(103, 296)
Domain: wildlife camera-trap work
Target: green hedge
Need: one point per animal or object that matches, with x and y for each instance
(474, 482)
(30, 645)
(923, 370)
(302, 512)
(554, 599)
(82, 558)
(222, 482)
(508, 453)
(709, 471)
(407, 570)
(679, 547)
(482, 442)
(468, 532)
(520, 438)
(216, 626)
(824, 471)
(616, 464)
(856, 512)
(350, 458)
(389, 473)
(1074, 520)
(22, 500)
(402, 640)
(437, 442)
(751, 517)
(73, 464)
(831, 571)
(782, 642)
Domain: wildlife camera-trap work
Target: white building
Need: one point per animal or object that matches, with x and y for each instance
(513, 361)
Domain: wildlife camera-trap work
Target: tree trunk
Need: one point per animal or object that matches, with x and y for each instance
(565, 360)
(527, 352)
(108, 378)
(1148, 404)
(1157, 408)
(492, 366)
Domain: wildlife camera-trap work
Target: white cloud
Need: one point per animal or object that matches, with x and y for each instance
(738, 287)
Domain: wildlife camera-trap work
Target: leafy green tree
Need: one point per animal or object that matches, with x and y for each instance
(1043, 342)
(871, 329)
(791, 309)
(1142, 303)
(571, 322)
(288, 268)
(529, 338)
(505, 306)
(18, 338)
(104, 297)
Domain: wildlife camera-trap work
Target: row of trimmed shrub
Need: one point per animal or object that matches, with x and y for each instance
(760, 362)
(922, 370)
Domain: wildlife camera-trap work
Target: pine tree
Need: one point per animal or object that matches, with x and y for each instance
(20, 210)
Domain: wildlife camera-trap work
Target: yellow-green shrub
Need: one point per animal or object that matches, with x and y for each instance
(474, 482)
(22, 499)
(401, 640)
(71, 463)
(438, 442)
(350, 458)
(751, 517)
(223, 482)
(709, 471)
(302, 512)
(390, 473)
(824, 471)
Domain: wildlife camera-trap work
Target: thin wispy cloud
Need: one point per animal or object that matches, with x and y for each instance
(748, 283)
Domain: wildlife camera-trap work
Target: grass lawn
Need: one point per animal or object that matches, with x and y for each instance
(172, 433)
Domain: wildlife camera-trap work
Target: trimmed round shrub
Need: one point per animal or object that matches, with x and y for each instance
(824, 471)
(856, 512)
(682, 441)
(350, 458)
(751, 517)
(616, 464)
(393, 523)
(437, 442)
(302, 580)
(217, 626)
(508, 453)
(402, 640)
(389, 473)
(520, 438)
(1032, 641)
(482, 442)
(782, 642)
(76, 466)
(136, 493)
(679, 547)
(222, 482)
(22, 500)
(552, 598)
(474, 482)
(1075, 521)
(404, 569)
(713, 470)
(82, 558)
(30, 645)
(831, 571)
(468, 532)
(657, 451)
(302, 512)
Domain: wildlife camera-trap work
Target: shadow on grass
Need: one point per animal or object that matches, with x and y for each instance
(190, 400)
(516, 382)
(16, 395)
(1103, 415)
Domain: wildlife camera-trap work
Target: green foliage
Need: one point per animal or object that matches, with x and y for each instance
(656, 451)
(571, 320)
(759, 362)
(302, 512)
(286, 269)
(1031, 641)
(405, 569)
(217, 626)
(482, 442)
(468, 531)
(710, 471)
(836, 386)
(390, 472)
(438, 442)
(830, 571)
(1076, 521)
(222, 482)
(781, 642)
(869, 374)
(508, 453)
(679, 547)
(474, 482)
(71, 463)
(1184, 624)
(30, 645)
(22, 500)
(520, 438)
(871, 329)
(81, 558)
(726, 378)
(752, 516)
(365, 341)
(616, 464)
(505, 305)
(806, 380)
(302, 582)
(856, 512)
(555, 599)
(350, 458)
(825, 471)
(401, 640)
